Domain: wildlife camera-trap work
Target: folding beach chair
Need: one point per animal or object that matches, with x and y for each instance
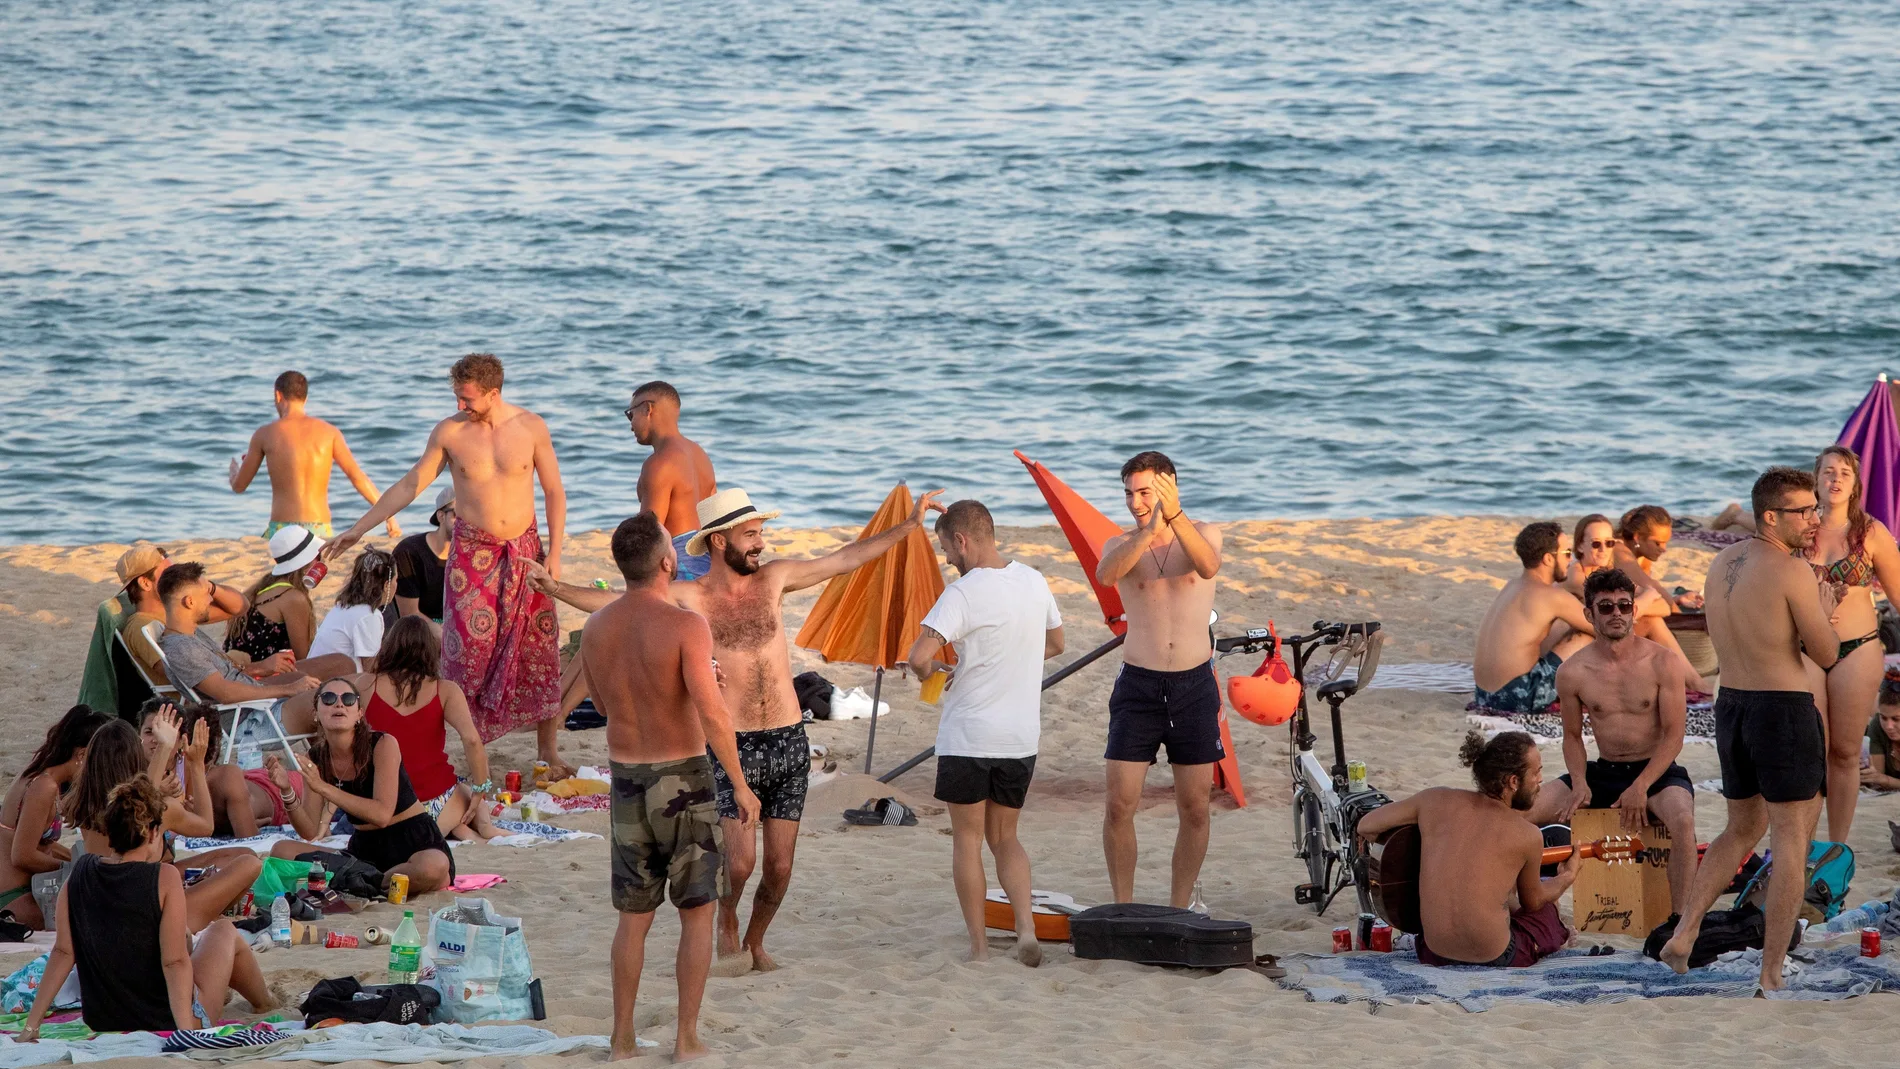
(135, 683)
(261, 711)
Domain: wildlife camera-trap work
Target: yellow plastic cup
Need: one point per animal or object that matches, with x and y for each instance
(933, 687)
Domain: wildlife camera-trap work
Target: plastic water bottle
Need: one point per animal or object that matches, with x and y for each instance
(405, 951)
(280, 920)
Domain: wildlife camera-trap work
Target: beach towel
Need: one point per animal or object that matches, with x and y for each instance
(395, 1043)
(1449, 677)
(1577, 977)
(477, 881)
(525, 833)
(500, 640)
(99, 682)
(1699, 726)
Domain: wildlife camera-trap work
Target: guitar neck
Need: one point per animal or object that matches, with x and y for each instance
(1556, 855)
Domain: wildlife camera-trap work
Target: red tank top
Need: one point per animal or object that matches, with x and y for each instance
(423, 738)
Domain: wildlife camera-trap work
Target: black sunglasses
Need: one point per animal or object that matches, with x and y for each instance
(1622, 607)
(1599, 543)
(331, 697)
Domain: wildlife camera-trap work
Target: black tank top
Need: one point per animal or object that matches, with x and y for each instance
(364, 785)
(112, 907)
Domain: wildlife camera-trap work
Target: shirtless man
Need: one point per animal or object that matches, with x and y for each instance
(652, 674)
(499, 634)
(1515, 666)
(741, 599)
(1166, 693)
(1633, 691)
(677, 476)
(300, 450)
(674, 479)
(1475, 849)
(1764, 608)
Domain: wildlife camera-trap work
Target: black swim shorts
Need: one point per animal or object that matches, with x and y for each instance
(1150, 709)
(969, 780)
(776, 763)
(1608, 780)
(1771, 744)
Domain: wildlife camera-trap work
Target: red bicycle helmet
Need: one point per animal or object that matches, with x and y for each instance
(1271, 695)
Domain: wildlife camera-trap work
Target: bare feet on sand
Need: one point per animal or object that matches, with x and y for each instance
(761, 961)
(1675, 953)
(979, 951)
(1028, 951)
(623, 1047)
(689, 1049)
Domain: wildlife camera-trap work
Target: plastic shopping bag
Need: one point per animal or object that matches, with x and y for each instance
(479, 962)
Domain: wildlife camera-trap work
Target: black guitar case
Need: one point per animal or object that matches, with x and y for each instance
(1160, 935)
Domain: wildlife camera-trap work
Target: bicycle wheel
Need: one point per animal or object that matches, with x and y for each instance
(1312, 836)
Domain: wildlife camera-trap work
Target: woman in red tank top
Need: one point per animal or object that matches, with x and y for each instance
(409, 699)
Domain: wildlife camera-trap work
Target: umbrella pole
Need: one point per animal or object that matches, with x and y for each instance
(870, 745)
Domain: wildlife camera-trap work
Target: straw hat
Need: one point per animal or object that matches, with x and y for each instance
(292, 547)
(722, 512)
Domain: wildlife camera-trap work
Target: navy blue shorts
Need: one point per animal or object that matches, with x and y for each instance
(1180, 710)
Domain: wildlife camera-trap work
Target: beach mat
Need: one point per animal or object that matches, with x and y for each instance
(1576, 977)
(1699, 726)
(1450, 677)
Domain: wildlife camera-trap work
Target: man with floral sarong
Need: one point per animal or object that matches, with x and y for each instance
(499, 633)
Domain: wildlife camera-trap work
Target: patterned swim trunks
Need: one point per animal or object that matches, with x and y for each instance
(777, 766)
(320, 528)
(666, 838)
(1533, 692)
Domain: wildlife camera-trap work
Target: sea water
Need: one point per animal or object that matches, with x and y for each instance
(1337, 259)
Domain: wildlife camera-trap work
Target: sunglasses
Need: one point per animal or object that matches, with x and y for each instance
(1621, 607)
(331, 697)
(1599, 543)
(635, 407)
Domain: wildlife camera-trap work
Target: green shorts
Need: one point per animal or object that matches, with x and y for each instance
(320, 528)
(666, 838)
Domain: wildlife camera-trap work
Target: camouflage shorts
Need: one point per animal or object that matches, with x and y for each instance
(666, 840)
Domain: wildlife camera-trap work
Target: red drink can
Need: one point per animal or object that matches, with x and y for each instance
(339, 939)
(314, 574)
(512, 781)
(1870, 942)
(1382, 937)
(1342, 939)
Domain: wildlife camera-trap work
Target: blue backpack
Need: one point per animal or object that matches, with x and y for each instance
(1830, 870)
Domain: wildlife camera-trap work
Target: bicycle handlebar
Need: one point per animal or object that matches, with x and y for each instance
(1259, 638)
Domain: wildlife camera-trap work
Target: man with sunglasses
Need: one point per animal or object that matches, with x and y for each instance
(677, 476)
(1764, 608)
(1635, 694)
(1515, 667)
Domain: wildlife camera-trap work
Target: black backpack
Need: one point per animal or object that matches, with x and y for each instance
(1741, 928)
(348, 874)
(345, 998)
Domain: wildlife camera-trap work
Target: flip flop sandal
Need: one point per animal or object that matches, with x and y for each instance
(879, 812)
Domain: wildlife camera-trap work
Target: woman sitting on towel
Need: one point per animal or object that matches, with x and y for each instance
(1880, 769)
(124, 922)
(408, 698)
(29, 818)
(116, 756)
(360, 771)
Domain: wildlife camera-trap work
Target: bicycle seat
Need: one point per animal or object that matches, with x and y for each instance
(1338, 688)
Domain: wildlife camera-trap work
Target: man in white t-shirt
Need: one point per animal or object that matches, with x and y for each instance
(1004, 623)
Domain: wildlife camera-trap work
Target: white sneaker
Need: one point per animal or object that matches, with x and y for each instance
(854, 704)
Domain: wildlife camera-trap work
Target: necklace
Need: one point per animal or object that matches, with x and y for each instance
(1161, 562)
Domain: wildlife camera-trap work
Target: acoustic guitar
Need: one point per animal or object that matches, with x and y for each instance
(1393, 869)
(1049, 911)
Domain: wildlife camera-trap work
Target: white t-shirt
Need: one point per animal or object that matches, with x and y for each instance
(356, 631)
(996, 618)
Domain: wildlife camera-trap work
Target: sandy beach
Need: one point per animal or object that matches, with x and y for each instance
(870, 940)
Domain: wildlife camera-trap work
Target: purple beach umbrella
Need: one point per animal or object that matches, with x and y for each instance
(1872, 433)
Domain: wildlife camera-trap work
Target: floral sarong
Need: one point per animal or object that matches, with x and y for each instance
(499, 635)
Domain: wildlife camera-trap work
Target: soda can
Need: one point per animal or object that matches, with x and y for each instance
(1870, 942)
(337, 940)
(1366, 921)
(1342, 939)
(314, 574)
(1382, 937)
(241, 907)
(375, 936)
(1355, 777)
(398, 889)
(194, 875)
(512, 781)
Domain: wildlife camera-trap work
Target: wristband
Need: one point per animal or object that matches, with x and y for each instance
(1171, 519)
(289, 798)
(486, 786)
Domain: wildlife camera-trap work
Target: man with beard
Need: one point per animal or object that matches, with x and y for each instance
(740, 597)
(1764, 610)
(1515, 665)
(1475, 849)
(1633, 692)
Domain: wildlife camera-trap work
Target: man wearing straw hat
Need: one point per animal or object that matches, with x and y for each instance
(740, 598)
